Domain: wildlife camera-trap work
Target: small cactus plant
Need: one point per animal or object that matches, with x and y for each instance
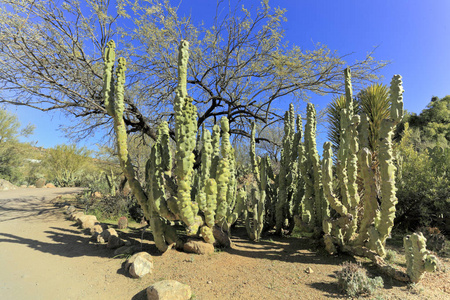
(122, 223)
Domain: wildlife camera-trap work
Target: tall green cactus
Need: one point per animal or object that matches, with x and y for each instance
(377, 222)
(288, 172)
(170, 197)
(314, 207)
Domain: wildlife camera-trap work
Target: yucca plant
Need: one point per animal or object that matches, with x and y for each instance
(372, 101)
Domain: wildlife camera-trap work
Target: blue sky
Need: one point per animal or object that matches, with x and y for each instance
(414, 35)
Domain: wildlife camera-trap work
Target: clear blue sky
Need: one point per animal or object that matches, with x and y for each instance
(413, 34)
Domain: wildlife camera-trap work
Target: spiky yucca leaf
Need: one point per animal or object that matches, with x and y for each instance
(374, 102)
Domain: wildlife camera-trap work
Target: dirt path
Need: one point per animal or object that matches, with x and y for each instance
(45, 256)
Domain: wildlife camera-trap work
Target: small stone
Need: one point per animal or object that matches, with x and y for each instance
(198, 247)
(114, 242)
(70, 210)
(140, 264)
(209, 282)
(309, 270)
(169, 290)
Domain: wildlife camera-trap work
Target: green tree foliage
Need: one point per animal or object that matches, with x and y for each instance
(432, 124)
(65, 164)
(11, 151)
(240, 66)
(423, 184)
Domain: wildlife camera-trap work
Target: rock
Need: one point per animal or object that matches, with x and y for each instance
(97, 228)
(139, 264)
(40, 183)
(70, 210)
(198, 247)
(87, 221)
(169, 290)
(309, 270)
(6, 185)
(75, 216)
(114, 242)
(97, 237)
(221, 237)
(50, 186)
(122, 223)
(125, 250)
(106, 234)
(23, 186)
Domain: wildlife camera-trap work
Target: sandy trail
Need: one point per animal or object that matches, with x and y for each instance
(43, 256)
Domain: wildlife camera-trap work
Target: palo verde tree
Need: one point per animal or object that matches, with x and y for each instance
(240, 66)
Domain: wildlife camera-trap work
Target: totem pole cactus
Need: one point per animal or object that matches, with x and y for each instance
(171, 198)
(288, 172)
(418, 259)
(256, 211)
(377, 222)
(315, 210)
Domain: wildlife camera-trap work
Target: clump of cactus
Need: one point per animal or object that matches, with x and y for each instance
(353, 162)
(171, 197)
(288, 201)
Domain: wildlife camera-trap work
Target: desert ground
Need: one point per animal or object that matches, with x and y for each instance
(45, 256)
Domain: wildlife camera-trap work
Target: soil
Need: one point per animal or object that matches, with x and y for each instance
(45, 256)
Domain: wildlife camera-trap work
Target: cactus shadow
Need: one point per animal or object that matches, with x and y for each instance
(286, 249)
(142, 295)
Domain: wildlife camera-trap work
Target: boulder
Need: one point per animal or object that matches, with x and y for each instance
(97, 228)
(6, 185)
(169, 290)
(75, 216)
(106, 234)
(198, 247)
(87, 221)
(139, 264)
(114, 242)
(222, 237)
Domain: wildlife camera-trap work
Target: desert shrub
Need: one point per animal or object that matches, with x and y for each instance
(423, 185)
(390, 256)
(112, 207)
(435, 239)
(353, 280)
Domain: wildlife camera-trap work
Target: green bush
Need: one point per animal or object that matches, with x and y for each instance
(423, 185)
(353, 280)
